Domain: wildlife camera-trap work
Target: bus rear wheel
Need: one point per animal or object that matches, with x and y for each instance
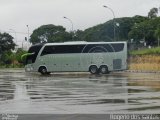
(103, 69)
(43, 70)
(93, 69)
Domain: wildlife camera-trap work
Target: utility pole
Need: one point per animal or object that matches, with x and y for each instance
(114, 30)
(71, 25)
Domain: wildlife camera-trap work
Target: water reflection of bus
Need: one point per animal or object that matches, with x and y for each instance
(95, 57)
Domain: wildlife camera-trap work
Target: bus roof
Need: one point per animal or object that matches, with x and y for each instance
(82, 42)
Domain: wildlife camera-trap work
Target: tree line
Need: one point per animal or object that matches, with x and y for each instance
(136, 29)
(9, 57)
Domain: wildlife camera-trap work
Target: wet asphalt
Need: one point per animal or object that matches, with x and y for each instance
(78, 93)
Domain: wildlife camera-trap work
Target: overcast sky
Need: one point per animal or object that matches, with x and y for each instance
(16, 14)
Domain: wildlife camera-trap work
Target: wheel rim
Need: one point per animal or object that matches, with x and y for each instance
(93, 69)
(44, 70)
(103, 70)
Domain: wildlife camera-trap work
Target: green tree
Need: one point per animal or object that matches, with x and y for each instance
(19, 53)
(145, 31)
(78, 35)
(157, 35)
(153, 13)
(104, 32)
(6, 45)
(50, 33)
(6, 42)
(139, 32)
(7, 57)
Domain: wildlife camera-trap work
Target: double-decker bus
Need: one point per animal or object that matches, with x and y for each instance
(80, 56)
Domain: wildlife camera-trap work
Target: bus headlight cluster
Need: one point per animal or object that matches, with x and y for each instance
(29, 69)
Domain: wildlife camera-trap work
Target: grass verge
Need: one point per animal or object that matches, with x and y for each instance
(152, 51)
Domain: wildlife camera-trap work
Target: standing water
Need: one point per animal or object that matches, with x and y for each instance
(62, 93)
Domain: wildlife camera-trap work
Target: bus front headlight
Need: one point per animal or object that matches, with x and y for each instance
(31, 68)
(27, 69)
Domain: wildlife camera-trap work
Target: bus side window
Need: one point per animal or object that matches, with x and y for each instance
(48, 50)
(118, 47)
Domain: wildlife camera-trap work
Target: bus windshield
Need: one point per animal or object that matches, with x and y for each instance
(34, 50)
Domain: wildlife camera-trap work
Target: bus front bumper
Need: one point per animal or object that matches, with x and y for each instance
(29, 68)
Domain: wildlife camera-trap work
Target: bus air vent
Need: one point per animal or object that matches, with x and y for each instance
(117, 64)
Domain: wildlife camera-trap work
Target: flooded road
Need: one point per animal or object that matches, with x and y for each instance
(22, 92)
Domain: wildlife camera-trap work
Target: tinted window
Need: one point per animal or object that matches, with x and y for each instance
(62, 49)
(97, 48)
(118, 47)
(48, 50)
(68, 49)
(91, 48)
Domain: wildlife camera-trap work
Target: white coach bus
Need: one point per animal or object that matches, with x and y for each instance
(93, 57)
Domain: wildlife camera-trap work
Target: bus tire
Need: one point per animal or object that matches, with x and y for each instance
(93, 69)
(43, 70)
(103, 69)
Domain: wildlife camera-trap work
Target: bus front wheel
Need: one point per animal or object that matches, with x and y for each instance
(43, 70)
(103, 69)
(93, 69)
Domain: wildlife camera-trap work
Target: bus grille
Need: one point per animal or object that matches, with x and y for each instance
(117, 64)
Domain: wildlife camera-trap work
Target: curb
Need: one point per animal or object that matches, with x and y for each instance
(141, 71)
